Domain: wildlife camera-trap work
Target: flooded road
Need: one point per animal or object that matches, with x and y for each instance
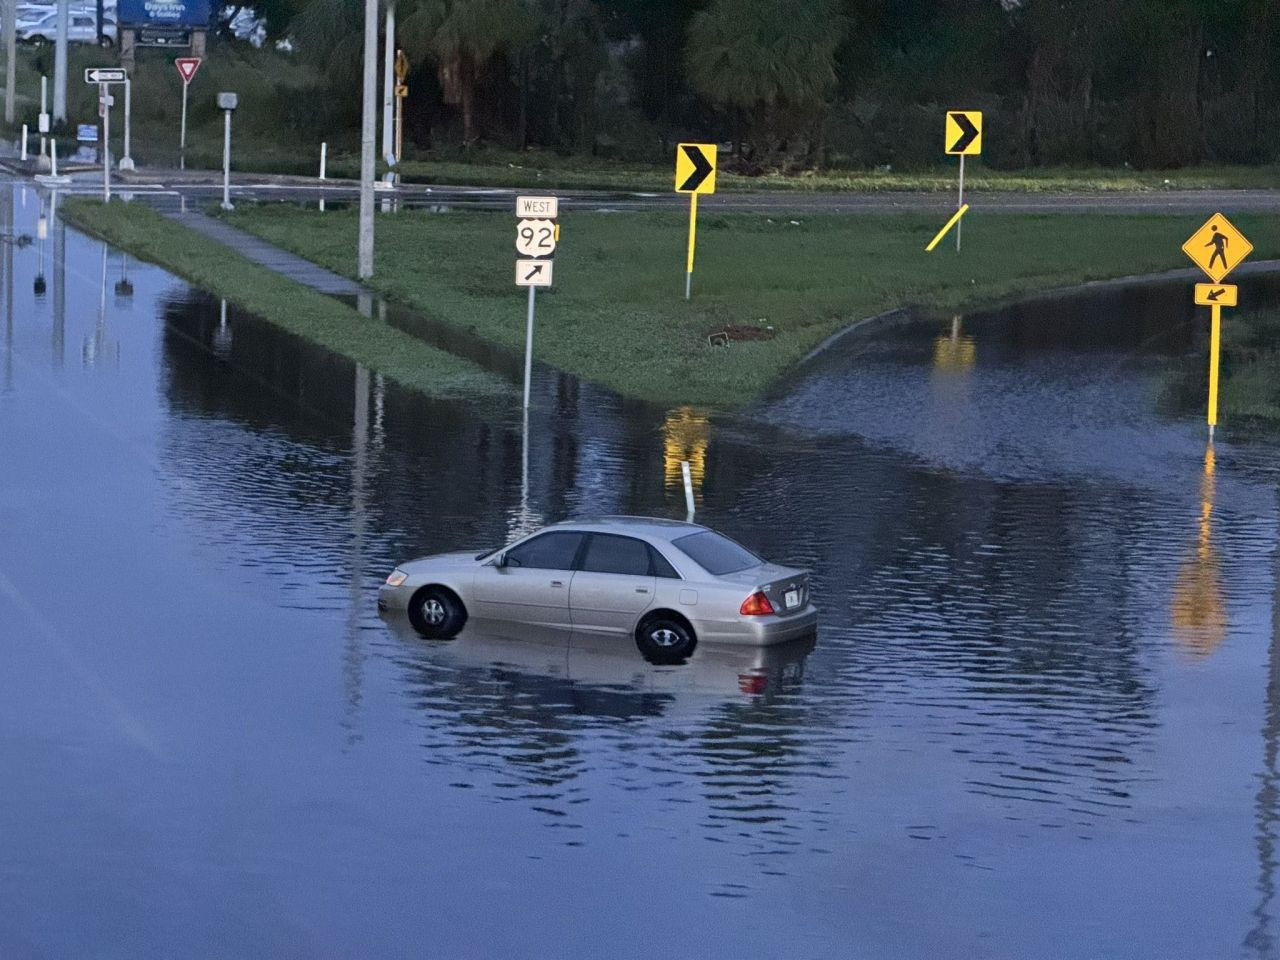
(1041, 717)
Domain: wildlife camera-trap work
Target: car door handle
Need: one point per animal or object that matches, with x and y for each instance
(557, 583)
(642, 589)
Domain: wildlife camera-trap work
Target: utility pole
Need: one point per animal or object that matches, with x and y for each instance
(389, 87)
(368, 132)
(60, 63)
(10, 56)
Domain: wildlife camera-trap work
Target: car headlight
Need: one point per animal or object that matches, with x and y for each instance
(397, 577)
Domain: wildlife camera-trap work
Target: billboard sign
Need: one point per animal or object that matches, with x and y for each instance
(165, 13)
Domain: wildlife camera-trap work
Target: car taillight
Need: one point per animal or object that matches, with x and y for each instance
(756, 605)
(752, 682)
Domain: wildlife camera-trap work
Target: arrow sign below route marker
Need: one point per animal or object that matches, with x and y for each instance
(187, 67)
(534, 273)
(105, 75)
(696, 168)
(964, 132)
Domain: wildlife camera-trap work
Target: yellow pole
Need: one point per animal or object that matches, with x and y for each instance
(693, 235)
(1215, 338)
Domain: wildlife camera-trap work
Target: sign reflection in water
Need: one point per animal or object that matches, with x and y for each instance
(1198, 612)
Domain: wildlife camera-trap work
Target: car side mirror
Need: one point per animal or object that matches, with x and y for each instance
(500, 561)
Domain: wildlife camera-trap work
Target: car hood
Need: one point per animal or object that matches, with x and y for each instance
(457, 559)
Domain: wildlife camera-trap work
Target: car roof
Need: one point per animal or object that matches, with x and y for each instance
(655, 528)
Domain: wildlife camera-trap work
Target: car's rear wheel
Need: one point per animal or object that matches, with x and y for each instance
(664, 638)
(437, 613)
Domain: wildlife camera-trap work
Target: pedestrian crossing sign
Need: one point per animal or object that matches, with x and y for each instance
(1217, 248)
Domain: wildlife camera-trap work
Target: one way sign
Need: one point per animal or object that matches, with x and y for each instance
(964, 132)
(105, 75)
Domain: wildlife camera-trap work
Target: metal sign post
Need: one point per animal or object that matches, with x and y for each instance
(1217, 248)
(104, 101)
(104, 77)
(695, 174)
(963, 136)
(187, 67)
(227, 104)
(536, 237)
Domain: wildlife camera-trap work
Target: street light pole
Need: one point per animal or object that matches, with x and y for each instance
(389, 85)
(11, 57)
(60, 63)
(364, 265)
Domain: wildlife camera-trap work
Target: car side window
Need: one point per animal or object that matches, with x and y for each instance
(548, 551)
(607, 553)
(661, 568)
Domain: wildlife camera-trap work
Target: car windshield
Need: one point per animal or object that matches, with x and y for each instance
(716, 554)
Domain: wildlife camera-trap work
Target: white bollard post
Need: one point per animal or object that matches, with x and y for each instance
(324, 152)
(126, 162)
(44, 115)
(24, 143)
(53, 156)
(688, 488)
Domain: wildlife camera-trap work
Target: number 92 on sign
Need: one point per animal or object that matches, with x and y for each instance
(536, 238)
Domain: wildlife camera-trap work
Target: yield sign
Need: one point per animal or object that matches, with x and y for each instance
(187, 67)
(1217, 248)
(696, 168)
(964, 132)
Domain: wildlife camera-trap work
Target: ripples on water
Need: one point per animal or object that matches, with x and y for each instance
(1006, 623)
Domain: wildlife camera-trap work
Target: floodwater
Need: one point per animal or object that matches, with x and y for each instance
(1041, 716)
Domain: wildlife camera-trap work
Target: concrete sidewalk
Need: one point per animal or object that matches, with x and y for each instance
(265, 254)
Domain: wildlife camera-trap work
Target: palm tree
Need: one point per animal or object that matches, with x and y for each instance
(462, 37)
(771, 62)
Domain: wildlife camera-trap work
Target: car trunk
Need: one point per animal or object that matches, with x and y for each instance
(776, 583)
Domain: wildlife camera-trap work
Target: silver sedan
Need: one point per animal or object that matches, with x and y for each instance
(668, 584)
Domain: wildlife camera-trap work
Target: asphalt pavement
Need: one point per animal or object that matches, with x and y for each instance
(200, 186)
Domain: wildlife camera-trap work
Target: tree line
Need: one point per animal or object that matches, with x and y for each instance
(795, 84)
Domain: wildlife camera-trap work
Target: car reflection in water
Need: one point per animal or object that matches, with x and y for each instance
(611, 667)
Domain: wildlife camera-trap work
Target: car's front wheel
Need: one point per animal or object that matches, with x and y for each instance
(437, 613)
(663, 638)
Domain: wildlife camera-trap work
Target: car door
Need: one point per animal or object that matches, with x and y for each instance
(612, 585)
(533, 585)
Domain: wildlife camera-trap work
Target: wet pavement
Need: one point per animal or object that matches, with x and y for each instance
(1041, 717)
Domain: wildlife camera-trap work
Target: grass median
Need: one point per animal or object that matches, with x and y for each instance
(617, 313)
(314, 316)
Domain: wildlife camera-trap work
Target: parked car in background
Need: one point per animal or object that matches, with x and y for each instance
(666, 583)
(82, 27)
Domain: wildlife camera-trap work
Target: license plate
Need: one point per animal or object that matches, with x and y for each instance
(791, 598)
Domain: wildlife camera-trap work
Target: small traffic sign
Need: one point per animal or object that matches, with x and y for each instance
(87, 133)
(43, 121)
(402, 90)
(187, 67)
(964, 132)
(1217, 248)
(536, 238)
(1216, 294)
(534, 273)
(696, 168)
(537, 207)
(105, 75)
